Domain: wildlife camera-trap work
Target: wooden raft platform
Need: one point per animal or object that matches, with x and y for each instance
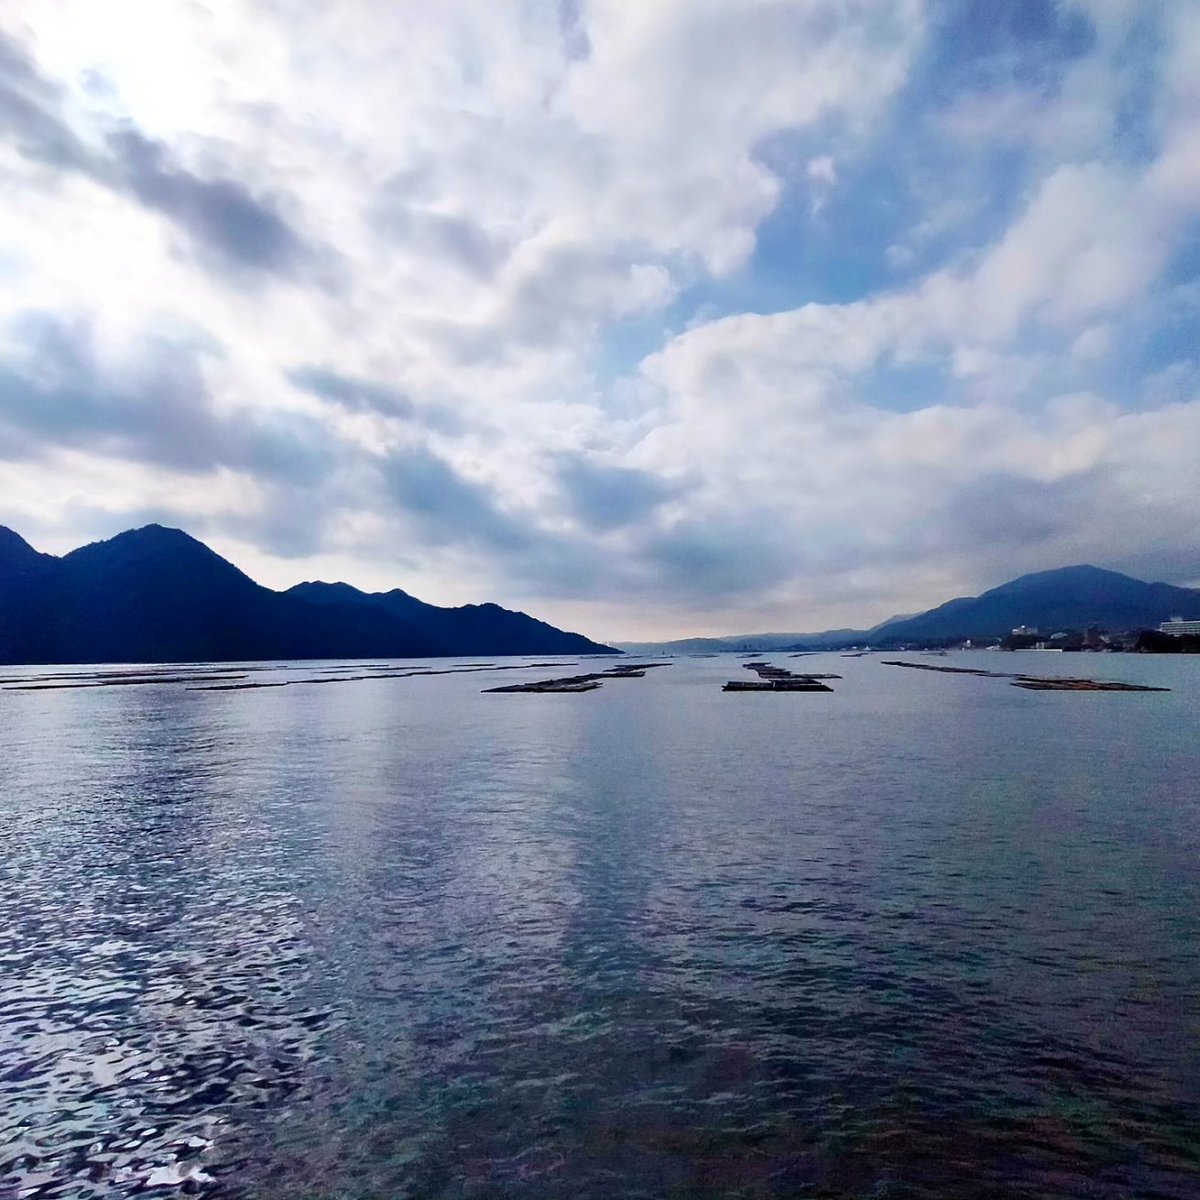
(1033, 683)
(577, 683)
(778, 679)
(776, 685)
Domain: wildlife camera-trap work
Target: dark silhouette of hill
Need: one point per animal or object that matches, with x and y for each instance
(24, 575)
(159, 595)
(471, 628)
(1067, 598)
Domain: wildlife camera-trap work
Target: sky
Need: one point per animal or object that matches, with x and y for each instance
(657, 319)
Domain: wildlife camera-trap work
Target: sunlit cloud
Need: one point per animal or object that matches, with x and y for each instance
(656, 318)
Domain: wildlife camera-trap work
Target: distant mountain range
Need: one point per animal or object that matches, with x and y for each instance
(1067, 598)
(1051, 601)
(159, 595)
(751, 643)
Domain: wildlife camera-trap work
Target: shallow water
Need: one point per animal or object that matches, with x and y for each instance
(930, 935)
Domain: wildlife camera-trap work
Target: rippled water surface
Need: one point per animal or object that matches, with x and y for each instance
(930, 935)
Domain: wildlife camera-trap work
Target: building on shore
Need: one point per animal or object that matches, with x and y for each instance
(1178, 627)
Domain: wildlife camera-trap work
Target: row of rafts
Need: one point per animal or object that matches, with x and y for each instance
(770, 679)
(773, 678)
(1033, 683)
(778, 679)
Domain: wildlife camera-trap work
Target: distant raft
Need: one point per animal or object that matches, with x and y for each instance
(1034, 683)
(578, 683)
(798, 684)
(584, 683)
(777, 679)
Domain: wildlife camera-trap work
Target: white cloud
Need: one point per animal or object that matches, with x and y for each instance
(483, 204)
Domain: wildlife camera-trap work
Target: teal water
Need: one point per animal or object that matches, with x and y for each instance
(928, 936)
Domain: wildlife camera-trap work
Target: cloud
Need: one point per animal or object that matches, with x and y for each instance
(57, 390)
(712, 559)
(27, 112)
(355, 394)
(589, 305)
(220, 215)
(1009, 511)
(608, 497)
(447, 507)
(454, 239)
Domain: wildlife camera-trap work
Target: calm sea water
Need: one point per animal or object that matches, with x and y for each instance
(929, 936)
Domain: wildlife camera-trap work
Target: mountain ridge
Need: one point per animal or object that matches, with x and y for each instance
(474, 626)
(1075, 597)
(157, 594)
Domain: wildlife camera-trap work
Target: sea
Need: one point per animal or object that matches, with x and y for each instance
(379, 933)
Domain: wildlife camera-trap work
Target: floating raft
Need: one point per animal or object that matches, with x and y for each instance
(1033, 683)
(1036, 684)
(778, 679)
(578, 683)
(584, 683)
(776, 685)
(769, 671)
(893, 662)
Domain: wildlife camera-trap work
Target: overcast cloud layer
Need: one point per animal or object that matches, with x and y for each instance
(673, 317)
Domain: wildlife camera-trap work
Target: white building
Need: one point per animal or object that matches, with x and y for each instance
(1177, 627)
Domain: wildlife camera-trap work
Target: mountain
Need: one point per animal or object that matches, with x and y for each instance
(752, 643)
(470, 628)
(23, 571)
(159, 595)
(1067, 598)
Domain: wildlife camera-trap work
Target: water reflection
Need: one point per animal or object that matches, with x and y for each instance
(152, 946)
(399, 938)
